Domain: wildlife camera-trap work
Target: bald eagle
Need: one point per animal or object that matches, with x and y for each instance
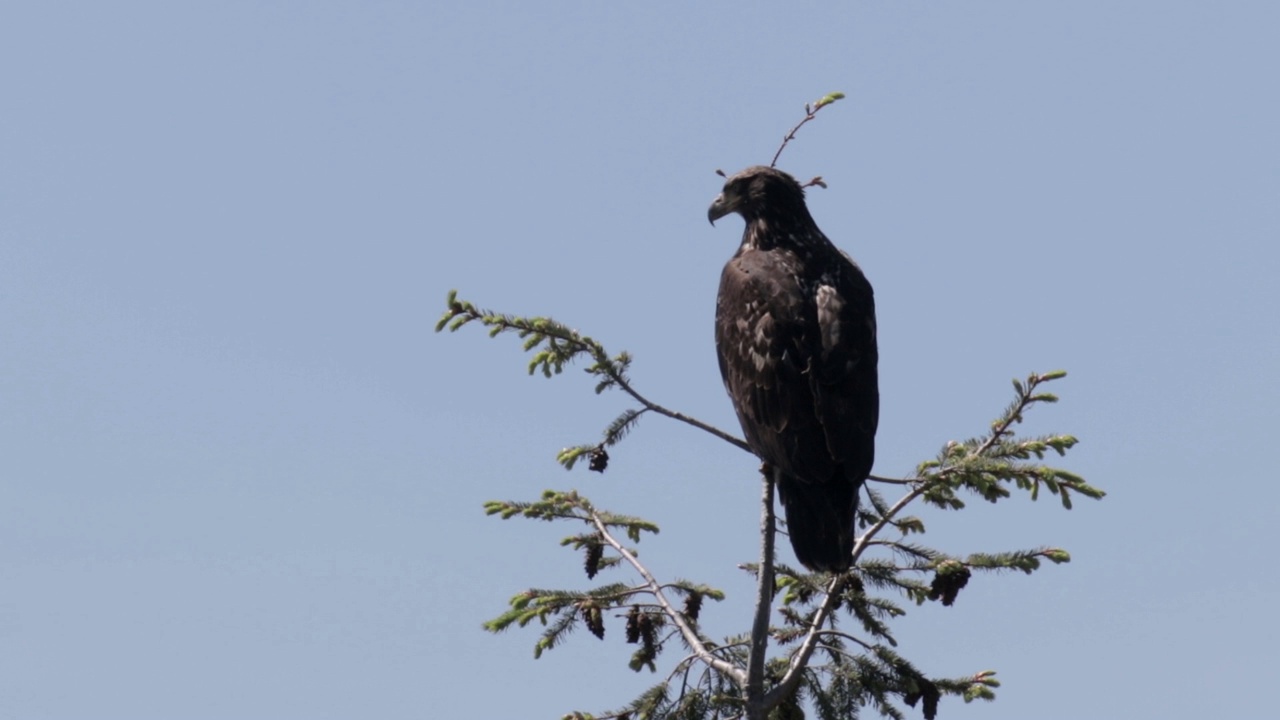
(796, 339)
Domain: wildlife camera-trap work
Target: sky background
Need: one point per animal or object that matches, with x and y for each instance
(240, 476)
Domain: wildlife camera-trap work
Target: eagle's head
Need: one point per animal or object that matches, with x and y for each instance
(758, 192)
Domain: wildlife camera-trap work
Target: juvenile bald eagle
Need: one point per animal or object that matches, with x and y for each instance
(796, 337)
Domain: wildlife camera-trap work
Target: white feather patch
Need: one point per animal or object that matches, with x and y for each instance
(829, 306)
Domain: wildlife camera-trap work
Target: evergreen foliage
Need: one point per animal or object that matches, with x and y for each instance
(833, 648)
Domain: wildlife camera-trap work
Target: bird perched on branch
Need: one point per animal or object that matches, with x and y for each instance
(796, 338)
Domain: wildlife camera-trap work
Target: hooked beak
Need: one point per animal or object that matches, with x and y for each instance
(721, 207)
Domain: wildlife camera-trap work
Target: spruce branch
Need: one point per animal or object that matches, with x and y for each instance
(556, 346)
(1028, 561)
(687, 632)
(969, 465)
(738, 678)
(984, 465)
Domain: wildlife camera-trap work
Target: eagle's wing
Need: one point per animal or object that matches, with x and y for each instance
(843, 374)
(766, 327)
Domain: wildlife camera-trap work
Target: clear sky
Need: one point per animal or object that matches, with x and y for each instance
(241, 478)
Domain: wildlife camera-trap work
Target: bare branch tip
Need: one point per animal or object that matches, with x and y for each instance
(810, 111)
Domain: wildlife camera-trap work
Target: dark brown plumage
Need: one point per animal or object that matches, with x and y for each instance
(796, 338)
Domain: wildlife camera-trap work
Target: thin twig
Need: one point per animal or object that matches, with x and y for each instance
(810, 113)
(846, 636)
(893, 481)
(687, 659)
(864, 540)
(690, 635)
(650, 405)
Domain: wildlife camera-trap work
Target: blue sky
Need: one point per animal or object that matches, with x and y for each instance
(242, 478)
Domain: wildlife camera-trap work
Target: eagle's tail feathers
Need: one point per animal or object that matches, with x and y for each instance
(820, 521)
